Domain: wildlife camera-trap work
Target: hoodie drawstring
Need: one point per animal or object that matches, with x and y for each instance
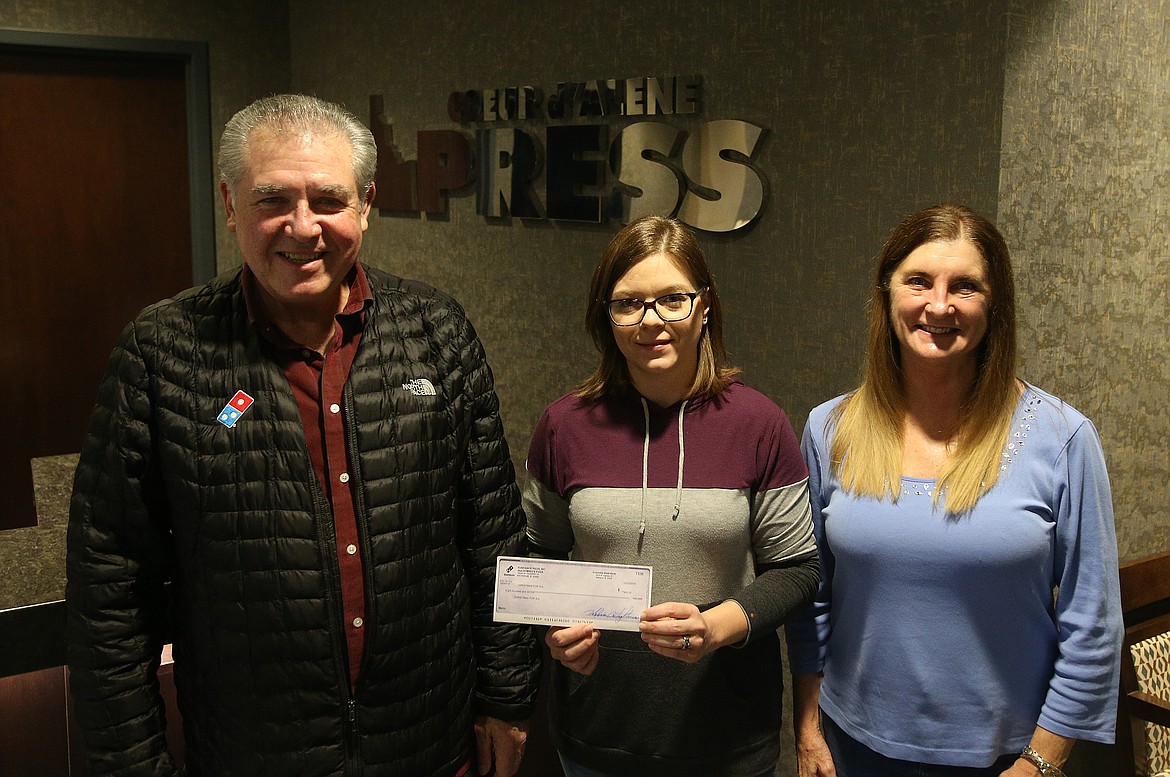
(645, 468)
(678, 491)
(681, 456)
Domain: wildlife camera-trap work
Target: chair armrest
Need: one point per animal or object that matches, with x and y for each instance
(1148, 707)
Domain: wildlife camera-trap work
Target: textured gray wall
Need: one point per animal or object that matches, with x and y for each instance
(1084, 204)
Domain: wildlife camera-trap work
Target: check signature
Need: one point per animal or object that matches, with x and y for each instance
(625, 614)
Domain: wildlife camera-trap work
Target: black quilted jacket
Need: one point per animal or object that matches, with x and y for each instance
(223, 536)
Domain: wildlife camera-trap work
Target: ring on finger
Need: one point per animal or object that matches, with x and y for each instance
(686, 642)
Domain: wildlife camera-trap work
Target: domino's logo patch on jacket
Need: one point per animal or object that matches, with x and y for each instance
(235, 408)
(420, 387)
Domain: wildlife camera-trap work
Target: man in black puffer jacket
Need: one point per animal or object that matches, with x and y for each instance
(300, 473)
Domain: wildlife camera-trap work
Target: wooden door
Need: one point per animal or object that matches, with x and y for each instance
(95, 205)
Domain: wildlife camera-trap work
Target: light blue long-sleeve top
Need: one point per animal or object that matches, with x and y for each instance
(940, 638)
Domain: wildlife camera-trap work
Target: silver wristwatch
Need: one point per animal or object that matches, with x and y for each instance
(1046, 769)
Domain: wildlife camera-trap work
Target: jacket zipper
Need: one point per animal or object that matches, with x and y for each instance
(353, 765)
(334, 611)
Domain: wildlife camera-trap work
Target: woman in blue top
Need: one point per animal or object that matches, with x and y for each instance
(950, 501)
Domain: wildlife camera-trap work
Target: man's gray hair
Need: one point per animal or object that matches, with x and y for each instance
(286, 113)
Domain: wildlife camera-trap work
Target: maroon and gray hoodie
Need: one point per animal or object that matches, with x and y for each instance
(712, 493)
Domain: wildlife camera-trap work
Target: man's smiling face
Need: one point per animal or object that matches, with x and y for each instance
(298, 217)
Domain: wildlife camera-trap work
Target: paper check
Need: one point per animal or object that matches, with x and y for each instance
(564, 593)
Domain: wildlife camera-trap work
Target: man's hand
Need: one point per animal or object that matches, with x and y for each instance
(500, 742)
(575, 646)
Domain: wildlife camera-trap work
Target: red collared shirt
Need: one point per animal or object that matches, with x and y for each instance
(318, 383)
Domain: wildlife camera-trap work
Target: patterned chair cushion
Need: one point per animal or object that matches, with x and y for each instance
(1151, 659)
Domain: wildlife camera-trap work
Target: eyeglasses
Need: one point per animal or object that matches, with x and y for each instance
(669, 307)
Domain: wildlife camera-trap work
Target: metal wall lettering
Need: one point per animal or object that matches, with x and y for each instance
(716, 159)
(506, 103)
(703, 174)
(621, 97)
(508, 161)
(646, 183)
(576, 160)
(395, 177)
(444, 165)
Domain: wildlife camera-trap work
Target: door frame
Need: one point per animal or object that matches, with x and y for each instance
(194, 56)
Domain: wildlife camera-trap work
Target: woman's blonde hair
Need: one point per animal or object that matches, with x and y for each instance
(645, 237)
(866, 451)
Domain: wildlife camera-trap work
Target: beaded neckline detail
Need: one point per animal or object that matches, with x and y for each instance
(917, 487)
(1017, 438)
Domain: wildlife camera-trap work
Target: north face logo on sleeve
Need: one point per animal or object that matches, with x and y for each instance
(420, 387)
